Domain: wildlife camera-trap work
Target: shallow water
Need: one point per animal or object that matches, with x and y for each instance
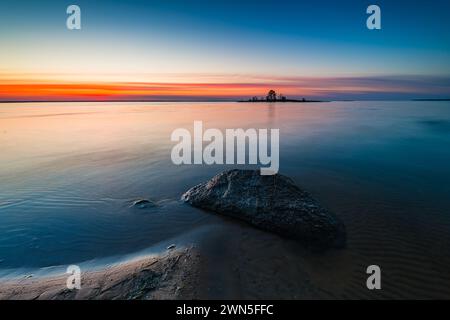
(68, 172)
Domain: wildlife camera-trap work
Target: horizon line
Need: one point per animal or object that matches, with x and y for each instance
(215, 100)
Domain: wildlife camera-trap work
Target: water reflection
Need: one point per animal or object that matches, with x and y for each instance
(68, 171)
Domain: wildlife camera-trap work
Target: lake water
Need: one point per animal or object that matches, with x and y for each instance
(68, 172)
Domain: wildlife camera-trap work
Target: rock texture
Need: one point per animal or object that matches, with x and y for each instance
(272, 203)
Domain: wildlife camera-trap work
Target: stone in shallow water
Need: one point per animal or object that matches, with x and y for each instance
(143, 204)
(272, 203)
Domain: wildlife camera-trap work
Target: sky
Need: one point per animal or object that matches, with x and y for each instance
(223, 50)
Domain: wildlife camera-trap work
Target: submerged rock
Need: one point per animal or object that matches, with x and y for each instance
(143, 204)
(272, 203)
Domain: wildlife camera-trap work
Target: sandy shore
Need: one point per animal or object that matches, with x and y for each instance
(228, 260)
(171, 275)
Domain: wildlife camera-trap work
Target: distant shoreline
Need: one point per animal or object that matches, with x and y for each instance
(431, 99)
(281, 101)
(207, 101)
(74, 101)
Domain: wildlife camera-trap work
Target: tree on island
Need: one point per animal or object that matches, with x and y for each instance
(271, 96)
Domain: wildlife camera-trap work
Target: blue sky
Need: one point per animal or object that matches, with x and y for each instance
(150, 40)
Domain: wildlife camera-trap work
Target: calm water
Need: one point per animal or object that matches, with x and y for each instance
(69, 171)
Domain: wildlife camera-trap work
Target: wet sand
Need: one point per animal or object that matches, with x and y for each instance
(170, 275)
(227, 260)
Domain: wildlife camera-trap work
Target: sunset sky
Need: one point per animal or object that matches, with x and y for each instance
(223, 50)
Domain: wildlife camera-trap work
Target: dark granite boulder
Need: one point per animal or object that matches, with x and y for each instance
(272, 203)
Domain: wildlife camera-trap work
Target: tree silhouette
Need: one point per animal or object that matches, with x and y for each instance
(271, 96)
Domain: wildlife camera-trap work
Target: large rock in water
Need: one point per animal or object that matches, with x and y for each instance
(272, 203)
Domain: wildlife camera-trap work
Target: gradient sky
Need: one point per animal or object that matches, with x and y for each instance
(224, 50)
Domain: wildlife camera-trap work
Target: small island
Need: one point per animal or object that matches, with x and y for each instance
(273, 97)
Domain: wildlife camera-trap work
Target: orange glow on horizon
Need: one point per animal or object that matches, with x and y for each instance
(127, 90)
(29, 87)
